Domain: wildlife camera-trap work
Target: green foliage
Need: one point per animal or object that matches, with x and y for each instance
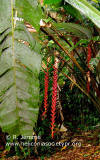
(95, 61)
(5, 15)
(51, 1)
(73, 12)
(76, 29)
(78, 110)
(87, 9)
(19, 69)
(30, 11)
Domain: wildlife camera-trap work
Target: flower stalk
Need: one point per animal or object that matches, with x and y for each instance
(54, 94)
(88, 73)
(54, 97)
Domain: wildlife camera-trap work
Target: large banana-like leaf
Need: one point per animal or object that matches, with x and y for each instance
(19, 69)
(87, 9)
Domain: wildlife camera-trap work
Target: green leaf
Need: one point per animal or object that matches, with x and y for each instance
(86, 155)
(5, 22)
(76, 29)
(51, 1)
(73, 12)
(95, 61)
(87, 9)
(19, 70)
(96, 1)
(30, 11)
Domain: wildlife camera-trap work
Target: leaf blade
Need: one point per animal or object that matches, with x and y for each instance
(87, 9)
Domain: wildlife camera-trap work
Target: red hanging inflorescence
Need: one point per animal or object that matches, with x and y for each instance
(46, 83)
(88, 73)
(54, 97)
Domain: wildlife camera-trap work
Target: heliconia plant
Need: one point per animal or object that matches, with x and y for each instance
(88, 73)
(46, 83)
(54, 97)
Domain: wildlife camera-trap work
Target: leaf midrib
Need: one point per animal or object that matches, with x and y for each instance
(14, 58)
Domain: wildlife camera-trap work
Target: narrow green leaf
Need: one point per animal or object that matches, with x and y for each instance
(73, 12)
(76, 29)
(87, 9)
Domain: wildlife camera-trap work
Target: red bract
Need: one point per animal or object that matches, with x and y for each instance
(88, 73)
(46, 82)
(54, 97)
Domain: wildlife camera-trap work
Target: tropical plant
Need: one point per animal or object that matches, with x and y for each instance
(73, 40)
